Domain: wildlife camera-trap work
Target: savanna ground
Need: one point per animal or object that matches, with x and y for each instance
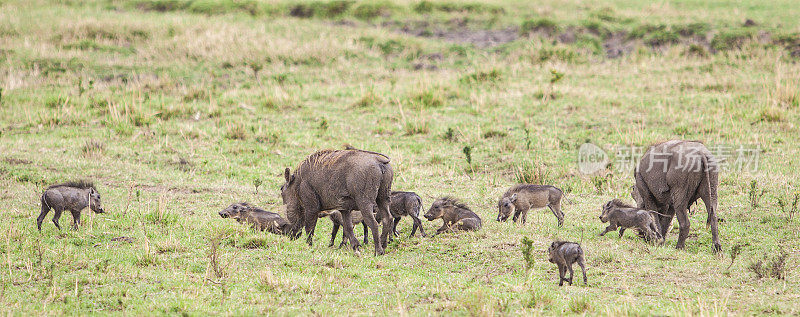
(178, 108)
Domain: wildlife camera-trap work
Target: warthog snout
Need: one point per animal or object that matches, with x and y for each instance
(223, 215)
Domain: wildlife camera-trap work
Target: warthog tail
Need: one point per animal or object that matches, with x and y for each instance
(711, 212)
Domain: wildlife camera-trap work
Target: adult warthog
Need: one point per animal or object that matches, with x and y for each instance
(343, 180)
(671, 176)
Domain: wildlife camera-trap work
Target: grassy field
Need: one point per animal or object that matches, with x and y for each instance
(177, 109)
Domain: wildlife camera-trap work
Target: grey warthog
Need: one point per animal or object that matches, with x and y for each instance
(336, 219)
(621, 215)
(343, 180)
(72, 196)
(564, 254)
(670, 177)
(455, 215)
(258, 218)
(406, 204)
(520, 198)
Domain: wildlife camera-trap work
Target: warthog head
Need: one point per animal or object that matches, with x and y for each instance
(438, 208)
(291, 199)
(606, 211)
(551, 251)
(233, 211)
(94, 201)
(506, 207)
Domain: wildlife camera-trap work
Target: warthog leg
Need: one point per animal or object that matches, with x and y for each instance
(417, 224)
(556, 209)
(383, 210)
(680, 207)
(366, 233)
(369, 218)
(611, 227)
(76, 220)
(55, 218)
(334, 232)
(394, 227)
(45, 210)
(571, 274)
(347, 223)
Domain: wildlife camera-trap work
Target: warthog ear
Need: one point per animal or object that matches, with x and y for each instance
(513, 197)
(287, 174)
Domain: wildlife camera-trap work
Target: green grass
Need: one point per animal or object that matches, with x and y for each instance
(175, 108)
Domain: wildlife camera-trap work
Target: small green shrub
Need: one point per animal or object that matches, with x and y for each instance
(415, 127)
(538, 25)
(560, 53)
(590, 42)
(731, 39)
(235, 131)
(771, 114)
(771, 267)
(579, 304)
(531, 173)
(789, 209)
(162, 217)
(605, 14)
(640, 31)
(391, 47)
(368, 100)
(481, 76)
(335, 8)
(468, 154)
(54, 102)
(450, 135)
(323, 124)
(92, 148)
(661, 37)
(696, 50)
(528, 253)
(430, 98)
(755, 195)
(494, 134)
(596, 27)
(371, 10)
(601, 183)
(691, 29)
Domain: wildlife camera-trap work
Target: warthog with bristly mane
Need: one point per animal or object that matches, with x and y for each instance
(343, 180)
(455, 215)
(71, 196)
(518, 199)
(670, 177)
